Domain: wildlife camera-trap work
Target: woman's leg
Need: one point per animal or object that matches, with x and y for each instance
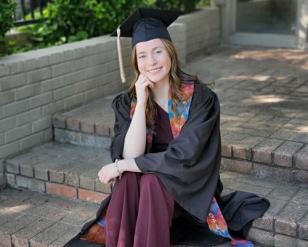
(122, 211)
(155, 213)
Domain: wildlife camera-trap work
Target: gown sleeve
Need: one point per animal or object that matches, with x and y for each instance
(121, 108)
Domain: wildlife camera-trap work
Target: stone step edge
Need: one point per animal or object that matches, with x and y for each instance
(266, 238)
(77, 130)
(34, 177)
(75, 124)
(63, 190)
(265, 224)
(81, 139)
(234, 158)
(264, 171)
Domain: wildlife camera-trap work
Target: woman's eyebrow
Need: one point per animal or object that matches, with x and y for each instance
(140, 52)
(155, 48)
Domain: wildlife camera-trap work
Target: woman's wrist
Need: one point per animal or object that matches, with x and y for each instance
(126, 165)
(122, 165)
(117, 166)
(141, 105)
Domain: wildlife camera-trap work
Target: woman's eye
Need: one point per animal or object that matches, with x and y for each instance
(158, 51)
(141, 57)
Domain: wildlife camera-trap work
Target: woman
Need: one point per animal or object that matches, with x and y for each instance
(166, 153)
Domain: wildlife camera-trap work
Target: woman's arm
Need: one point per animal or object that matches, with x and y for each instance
(135, 139)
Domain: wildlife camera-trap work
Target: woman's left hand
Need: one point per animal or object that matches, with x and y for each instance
(108, 173)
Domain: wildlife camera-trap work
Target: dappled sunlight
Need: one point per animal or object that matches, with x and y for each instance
(265, 99)
(15, 209)
(302, 129)
(275, 54)
(246, 77)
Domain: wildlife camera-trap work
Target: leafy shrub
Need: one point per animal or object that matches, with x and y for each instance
(184, 5)
(7, 8)
(72, 20)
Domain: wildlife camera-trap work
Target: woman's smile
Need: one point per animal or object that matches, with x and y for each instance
(155, 70)
(153, 60)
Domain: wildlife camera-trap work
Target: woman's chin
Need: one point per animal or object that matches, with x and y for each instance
(156, 79)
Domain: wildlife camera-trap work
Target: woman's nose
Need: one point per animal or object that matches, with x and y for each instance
(152, 60)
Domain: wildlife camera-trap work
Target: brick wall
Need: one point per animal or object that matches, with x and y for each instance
(202, 30)
(35, 85)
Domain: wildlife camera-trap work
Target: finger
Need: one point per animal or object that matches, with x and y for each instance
(148, 84)
(102, 178)
(106, 180)
(141, 79)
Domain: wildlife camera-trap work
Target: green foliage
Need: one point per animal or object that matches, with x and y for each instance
(204, 3)
(73, 20)
(7, 8)
(183, 5)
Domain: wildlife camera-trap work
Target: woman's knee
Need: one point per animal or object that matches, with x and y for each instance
(149, 180)
(129, 178)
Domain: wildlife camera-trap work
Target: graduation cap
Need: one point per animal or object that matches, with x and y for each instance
(143, 25)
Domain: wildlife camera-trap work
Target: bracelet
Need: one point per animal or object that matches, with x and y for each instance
(116, 163)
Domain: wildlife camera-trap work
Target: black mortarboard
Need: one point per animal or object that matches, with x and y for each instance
(143, 25)
(146, 24)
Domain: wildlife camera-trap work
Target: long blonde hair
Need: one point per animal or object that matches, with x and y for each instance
(176, 76)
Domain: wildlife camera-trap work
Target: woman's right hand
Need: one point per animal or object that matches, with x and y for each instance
(142, 89)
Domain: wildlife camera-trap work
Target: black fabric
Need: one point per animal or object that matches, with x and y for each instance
(189, 169)
(239, 208)
(147, 24)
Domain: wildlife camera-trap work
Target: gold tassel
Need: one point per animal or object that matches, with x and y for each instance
(119, 48)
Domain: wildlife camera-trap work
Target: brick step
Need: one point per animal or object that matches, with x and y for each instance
(34, 219)
(244, 150)
(30, 218)
(60, 169)
(71, 171)
(88, 125)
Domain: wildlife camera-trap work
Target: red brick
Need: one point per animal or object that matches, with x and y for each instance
(226, 150)
(5, 239)
(87, 126)
(91, 196)
(101, 129)
(241, 166)
(61, 190)
(73, 123)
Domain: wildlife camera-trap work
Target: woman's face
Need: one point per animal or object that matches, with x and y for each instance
(153, 60)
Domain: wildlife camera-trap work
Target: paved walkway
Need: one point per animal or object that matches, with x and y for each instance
(264, 106)
(35, 219)
(264, 124)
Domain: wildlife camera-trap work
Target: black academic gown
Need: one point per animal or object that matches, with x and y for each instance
(189, 170)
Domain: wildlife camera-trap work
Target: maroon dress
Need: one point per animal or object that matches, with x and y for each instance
(141, 209)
